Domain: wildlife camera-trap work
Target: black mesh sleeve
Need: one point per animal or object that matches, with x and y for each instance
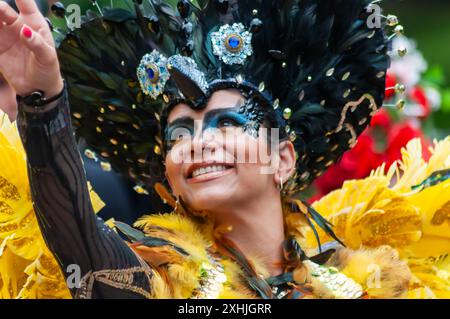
(79, 240)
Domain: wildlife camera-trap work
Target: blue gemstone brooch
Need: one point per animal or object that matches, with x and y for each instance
(232, 44)
(152, 73)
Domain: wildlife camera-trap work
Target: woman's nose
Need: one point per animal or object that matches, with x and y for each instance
(205, 140)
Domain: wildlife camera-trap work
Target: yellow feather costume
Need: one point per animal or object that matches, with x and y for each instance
(386, 209)
(27, 268)
(368, 215)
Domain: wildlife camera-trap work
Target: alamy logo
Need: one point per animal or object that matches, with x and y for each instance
(73, 276)
(374, 19)
(73, 17)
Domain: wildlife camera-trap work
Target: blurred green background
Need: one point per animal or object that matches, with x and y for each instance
(428, 22)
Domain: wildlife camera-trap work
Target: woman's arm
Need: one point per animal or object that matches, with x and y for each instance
(105, 266)
(77, 238)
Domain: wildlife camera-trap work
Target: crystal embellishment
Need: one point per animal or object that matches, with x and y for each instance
(152, 73)
(232, 44)
(188, 67)
(212, 279)
(341, 286)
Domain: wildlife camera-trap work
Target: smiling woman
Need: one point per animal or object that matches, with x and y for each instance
(183, 100)
(220, 163)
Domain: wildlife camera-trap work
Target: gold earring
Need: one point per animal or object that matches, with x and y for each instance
(281, 183)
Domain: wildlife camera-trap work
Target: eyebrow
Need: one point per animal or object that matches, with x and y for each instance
(181, 120)
(212, 113)
(186, 119)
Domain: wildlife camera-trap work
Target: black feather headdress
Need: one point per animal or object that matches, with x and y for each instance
(315, 65)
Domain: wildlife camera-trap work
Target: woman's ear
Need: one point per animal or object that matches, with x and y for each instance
(287, 161)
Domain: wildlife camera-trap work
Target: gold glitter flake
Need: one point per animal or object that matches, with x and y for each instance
(6, 209)
(8, 190)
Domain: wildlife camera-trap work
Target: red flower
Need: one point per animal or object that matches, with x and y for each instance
(381, 119)
(365, 157)
(391, 80)
(355, 164)
(399, 135)
(418, 95)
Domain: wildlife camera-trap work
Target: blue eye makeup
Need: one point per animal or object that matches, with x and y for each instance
(178, 130)
(235, 117)
(223, 118)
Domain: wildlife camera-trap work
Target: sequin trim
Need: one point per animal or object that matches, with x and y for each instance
(339, 284)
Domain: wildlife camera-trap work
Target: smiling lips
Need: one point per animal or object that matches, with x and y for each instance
(205, 172)
(208, 169)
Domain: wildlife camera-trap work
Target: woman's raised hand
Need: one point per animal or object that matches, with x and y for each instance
(28, 59)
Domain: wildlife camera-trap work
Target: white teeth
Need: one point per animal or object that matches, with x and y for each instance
(208, 169)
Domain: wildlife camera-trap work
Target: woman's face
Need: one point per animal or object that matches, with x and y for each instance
(212, 161)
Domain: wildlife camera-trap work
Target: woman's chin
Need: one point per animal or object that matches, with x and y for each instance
(211, 199)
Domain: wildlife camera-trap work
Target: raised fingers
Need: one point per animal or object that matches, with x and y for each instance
(43, 53)
(27, 6)
(7, 14)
